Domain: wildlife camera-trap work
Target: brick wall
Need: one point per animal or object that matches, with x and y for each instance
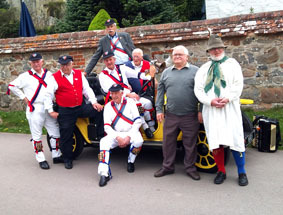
(255, 40)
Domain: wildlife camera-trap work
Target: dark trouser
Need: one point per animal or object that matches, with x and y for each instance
(67, 121)
(173, 124)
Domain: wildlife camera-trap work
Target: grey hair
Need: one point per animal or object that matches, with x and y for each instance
(137, 50)
(186, 52)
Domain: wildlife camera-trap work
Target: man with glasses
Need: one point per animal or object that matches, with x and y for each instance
(120, 44)
(218, 85)
(181, 114)
(31, 86)
(69, 87)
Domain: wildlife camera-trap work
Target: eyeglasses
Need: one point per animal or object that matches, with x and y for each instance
(178, 55)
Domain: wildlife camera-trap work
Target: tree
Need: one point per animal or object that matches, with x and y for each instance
(77, 17)
(188, 9)
(148, 12)
(4, 4)
(9, 22)
(99, 20)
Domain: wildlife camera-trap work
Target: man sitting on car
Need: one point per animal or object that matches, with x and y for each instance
(121, 123)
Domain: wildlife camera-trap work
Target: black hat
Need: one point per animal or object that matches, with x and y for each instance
(65, 59)
(109, 22)
(115, 88)
(107, 54)
(35, 56)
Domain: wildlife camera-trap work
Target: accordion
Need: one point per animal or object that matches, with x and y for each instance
(267, 134)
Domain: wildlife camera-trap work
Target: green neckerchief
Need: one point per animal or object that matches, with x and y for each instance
(215, 77)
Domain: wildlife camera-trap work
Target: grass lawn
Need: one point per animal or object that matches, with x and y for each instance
(15, 121)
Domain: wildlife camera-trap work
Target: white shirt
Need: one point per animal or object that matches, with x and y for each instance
(130, 112)
(126, 72)
(121, 57)
(25, 85)
(52, 86)
(137, 68)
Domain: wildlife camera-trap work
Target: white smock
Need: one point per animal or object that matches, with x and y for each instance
(223, 126)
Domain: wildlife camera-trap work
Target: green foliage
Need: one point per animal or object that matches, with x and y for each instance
(99, 20)
(188, 9)
(78, 16)
(55, 9)
(148, 12)
(9, 23)
(4, 4)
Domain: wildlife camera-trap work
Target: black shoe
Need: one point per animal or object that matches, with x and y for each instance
(131, 167)
(148, 133)
(220, 177)
(163, 172)
(103, 180)
(58, 160)
(243, 179)
(44, 165)
(68, 164)
(194, 175)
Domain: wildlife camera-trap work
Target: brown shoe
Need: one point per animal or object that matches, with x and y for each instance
(163, 172)
(194, 175)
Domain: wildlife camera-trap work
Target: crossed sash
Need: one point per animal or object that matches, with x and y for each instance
(114, 46)
(120, 81)
(119, 114)
(41, 82)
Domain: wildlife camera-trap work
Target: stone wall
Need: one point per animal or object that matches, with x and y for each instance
(255, 40)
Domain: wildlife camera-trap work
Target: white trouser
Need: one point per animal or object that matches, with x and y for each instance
(108, 142)
(147, 105)
(37, 119)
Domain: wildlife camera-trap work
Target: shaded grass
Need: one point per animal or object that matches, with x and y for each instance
(14, 122)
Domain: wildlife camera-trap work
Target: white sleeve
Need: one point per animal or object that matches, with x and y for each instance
(16, 86)
(108, 121)
(200, 79)
(131, 73)
(52, 86)
(87, 91)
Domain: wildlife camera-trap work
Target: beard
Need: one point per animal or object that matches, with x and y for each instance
(215, 58)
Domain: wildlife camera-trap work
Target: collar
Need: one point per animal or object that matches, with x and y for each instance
(186, 66)
(116, 104)
(34, 72)
(72, 72)
(115, 35)
(140, 66)
(109, 70)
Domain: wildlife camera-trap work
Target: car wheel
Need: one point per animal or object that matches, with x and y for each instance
(78, 144)
(205, 160)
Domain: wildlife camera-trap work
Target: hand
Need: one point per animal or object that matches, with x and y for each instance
(123, 142)
(97, 107)
(216, 102)
(224, 101)
(152, 71)
(54, 114)
(160, 117)
(133, 96)
(200, 117)
(26, 101)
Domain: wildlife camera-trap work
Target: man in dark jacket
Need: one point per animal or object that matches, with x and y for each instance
(119, 43)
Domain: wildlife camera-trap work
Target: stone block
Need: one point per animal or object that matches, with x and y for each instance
(272, 95)
(270, 56)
